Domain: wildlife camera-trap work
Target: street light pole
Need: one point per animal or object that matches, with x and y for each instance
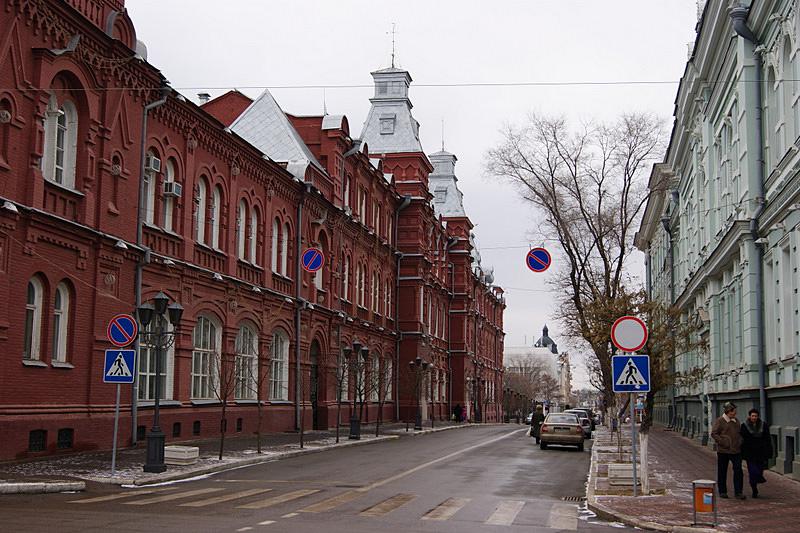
(352, 356)
(418, 367)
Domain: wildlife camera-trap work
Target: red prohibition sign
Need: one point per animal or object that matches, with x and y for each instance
(538, 259)
(629, 333)
(122, 329)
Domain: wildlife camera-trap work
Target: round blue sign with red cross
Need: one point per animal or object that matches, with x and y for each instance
(122, 330)
(538, 259)
(313, 259)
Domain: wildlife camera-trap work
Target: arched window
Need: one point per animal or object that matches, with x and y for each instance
(773, 119)
(147, 364)
(207, 341)
(376, 291)
(387, 298)
(285, 249)
(275, 251)
(60, 322)
(246, 367)
(362, 285)
(202, 206)
(241, 223)
(253, 235)
(60, 142)
(343, 378)
(33, 319)
(346, 192)
(150, 184)
(169, 195)
(789, 89)
(216, 216)
(375, 378)
(388, 375)
(346, 279)
(279, 367)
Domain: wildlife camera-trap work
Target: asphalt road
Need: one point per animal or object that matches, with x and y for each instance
(488, 478)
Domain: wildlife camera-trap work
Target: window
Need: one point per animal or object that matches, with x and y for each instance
(246, 357)
(169, 201)
(387, 294)
(389, 376)
(387, 124)
(276, 225)
(253, 235)
(346, 192)
(205, 354)
(37, 440)
(344, 378)
(65, 438)
(376, 210)
(376, 290)
(216, 215)
(375, 379)
(202, 205)
(346, 279)
(150, 184)
(362, 205)
(362, 282)
(147, 366)
(279, 371)
(241, 223)
(285, 249)
(60, 322)
(33, 319)
(60, 142)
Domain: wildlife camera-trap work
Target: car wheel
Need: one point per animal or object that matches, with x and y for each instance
(543, 445)
(580, 447)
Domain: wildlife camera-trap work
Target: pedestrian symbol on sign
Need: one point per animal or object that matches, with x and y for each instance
(119, 367)
(631, 376)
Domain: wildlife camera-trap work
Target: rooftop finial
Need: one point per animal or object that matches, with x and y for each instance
(393, 48)
(324, 103)
(442, 135)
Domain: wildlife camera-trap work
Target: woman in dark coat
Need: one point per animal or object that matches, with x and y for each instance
(756, 448)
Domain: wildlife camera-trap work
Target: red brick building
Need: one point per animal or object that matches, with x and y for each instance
(231, 194)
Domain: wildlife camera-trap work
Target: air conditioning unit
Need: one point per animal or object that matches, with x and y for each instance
(173, 189)
(152, 164)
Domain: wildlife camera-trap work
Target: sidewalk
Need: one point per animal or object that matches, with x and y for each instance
(50, 473)
(674, 463)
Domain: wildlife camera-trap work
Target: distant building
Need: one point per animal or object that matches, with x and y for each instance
(545, 352)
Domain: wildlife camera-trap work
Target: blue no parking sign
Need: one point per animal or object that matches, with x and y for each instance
(122, 330)
(313, 259)
(538, 259)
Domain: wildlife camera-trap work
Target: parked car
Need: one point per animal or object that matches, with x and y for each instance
(584, 420)
(529, 418)
(561, 428)
(589, 414)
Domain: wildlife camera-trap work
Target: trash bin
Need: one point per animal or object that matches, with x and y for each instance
(704, 492)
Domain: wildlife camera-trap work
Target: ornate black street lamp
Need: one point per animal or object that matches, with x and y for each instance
(418, 367)
(159, 339)
(351, 355)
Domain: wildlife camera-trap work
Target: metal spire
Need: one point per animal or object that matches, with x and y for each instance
(393, 44)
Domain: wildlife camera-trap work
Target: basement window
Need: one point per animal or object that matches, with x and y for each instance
(65, 438)
(37, 440)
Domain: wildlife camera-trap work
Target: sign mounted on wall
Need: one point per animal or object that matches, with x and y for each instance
(313, 259)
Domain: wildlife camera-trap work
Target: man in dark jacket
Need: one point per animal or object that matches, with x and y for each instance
(756, 448)
(727, 434)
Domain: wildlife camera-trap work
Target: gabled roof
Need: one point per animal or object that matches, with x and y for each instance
(264, 125)
(227, 107)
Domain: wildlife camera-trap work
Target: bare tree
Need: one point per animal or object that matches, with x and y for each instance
(589, 189)
(223, 384)
(253, 380)
(382, 377)
(340, 372)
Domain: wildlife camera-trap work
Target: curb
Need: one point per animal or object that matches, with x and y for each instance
(41, 487)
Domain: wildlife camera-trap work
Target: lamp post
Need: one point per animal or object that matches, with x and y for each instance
(351, 355)
(159, 311)
(418, 367)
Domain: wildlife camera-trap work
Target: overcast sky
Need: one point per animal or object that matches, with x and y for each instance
(204, 46)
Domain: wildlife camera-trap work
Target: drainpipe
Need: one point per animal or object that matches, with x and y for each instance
(739, 19)
(137, 289)
(299, 305)
(405, 203)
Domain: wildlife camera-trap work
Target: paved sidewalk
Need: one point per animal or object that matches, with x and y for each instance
(239, 451)
(675, 462)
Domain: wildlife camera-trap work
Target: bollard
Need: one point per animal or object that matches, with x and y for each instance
(704, 496)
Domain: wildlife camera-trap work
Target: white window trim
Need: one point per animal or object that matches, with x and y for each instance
(246, 357)
(216, 210)
(145, 393)
(279, 367)
(285, 249)
(169, 201)
(253, 234)
(241, 223)
(35, 332)
(202, 200)
(54, 111)
(61, 332)
(274, 252)
(213, 354)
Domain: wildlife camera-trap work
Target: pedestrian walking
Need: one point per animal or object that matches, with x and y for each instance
(457, 412)
(756, 448)
(726, 433)
(536, 422)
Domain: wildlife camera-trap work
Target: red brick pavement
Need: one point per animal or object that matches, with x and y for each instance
(675, 461)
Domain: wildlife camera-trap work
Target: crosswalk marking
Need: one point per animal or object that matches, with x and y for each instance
(332, 503)
(119, 496)
(266, 522)
(387, 506)
(563, 516)
(275, 500)
(225, 498)
(505, 513)
(289, 515)
(170, 497)
(446, 509)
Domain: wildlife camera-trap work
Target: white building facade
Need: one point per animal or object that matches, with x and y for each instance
(721, 229)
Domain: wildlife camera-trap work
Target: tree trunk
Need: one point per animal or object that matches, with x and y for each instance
(223, 426)
(258, 427)
(378, 419)
(643, 464)
(338, 418)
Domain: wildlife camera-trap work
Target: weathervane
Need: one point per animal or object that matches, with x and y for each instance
(393, 48)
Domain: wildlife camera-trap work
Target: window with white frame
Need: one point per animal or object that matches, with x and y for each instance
(60, 142)
(147, 365)
(246, 363)
(374, 378)
(387, 304)
(389, 376)
(285, 249)
(150, 184)
(33, 319)
(375, 216)
(169, 201)
(202, 206)
(216, 216)
(376, 290)
(362, 205)
(362, 285)
(61, 309)
(253, 235)
(241, 223)
(275, 250)
(343, 377)
(346, 192)
(279, 367)
(346, 279)
(206, 340)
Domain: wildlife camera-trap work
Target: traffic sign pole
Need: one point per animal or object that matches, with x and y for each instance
(633, 443)
(116, 428)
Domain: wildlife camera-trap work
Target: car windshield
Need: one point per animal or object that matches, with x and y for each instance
(561, 419)
(579, 414)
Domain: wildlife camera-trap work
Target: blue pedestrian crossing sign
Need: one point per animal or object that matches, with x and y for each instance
(631, 373)
(119, 366)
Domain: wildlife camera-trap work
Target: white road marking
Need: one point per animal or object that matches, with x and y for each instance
(225, 498)
(110, 497)
(170, 497)
(563, 516)
(289, 515)
(505, 513)
(246, 528)
(387, 506)
(266, 522)
(332, 503)
(275, 500)
(446, 509)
